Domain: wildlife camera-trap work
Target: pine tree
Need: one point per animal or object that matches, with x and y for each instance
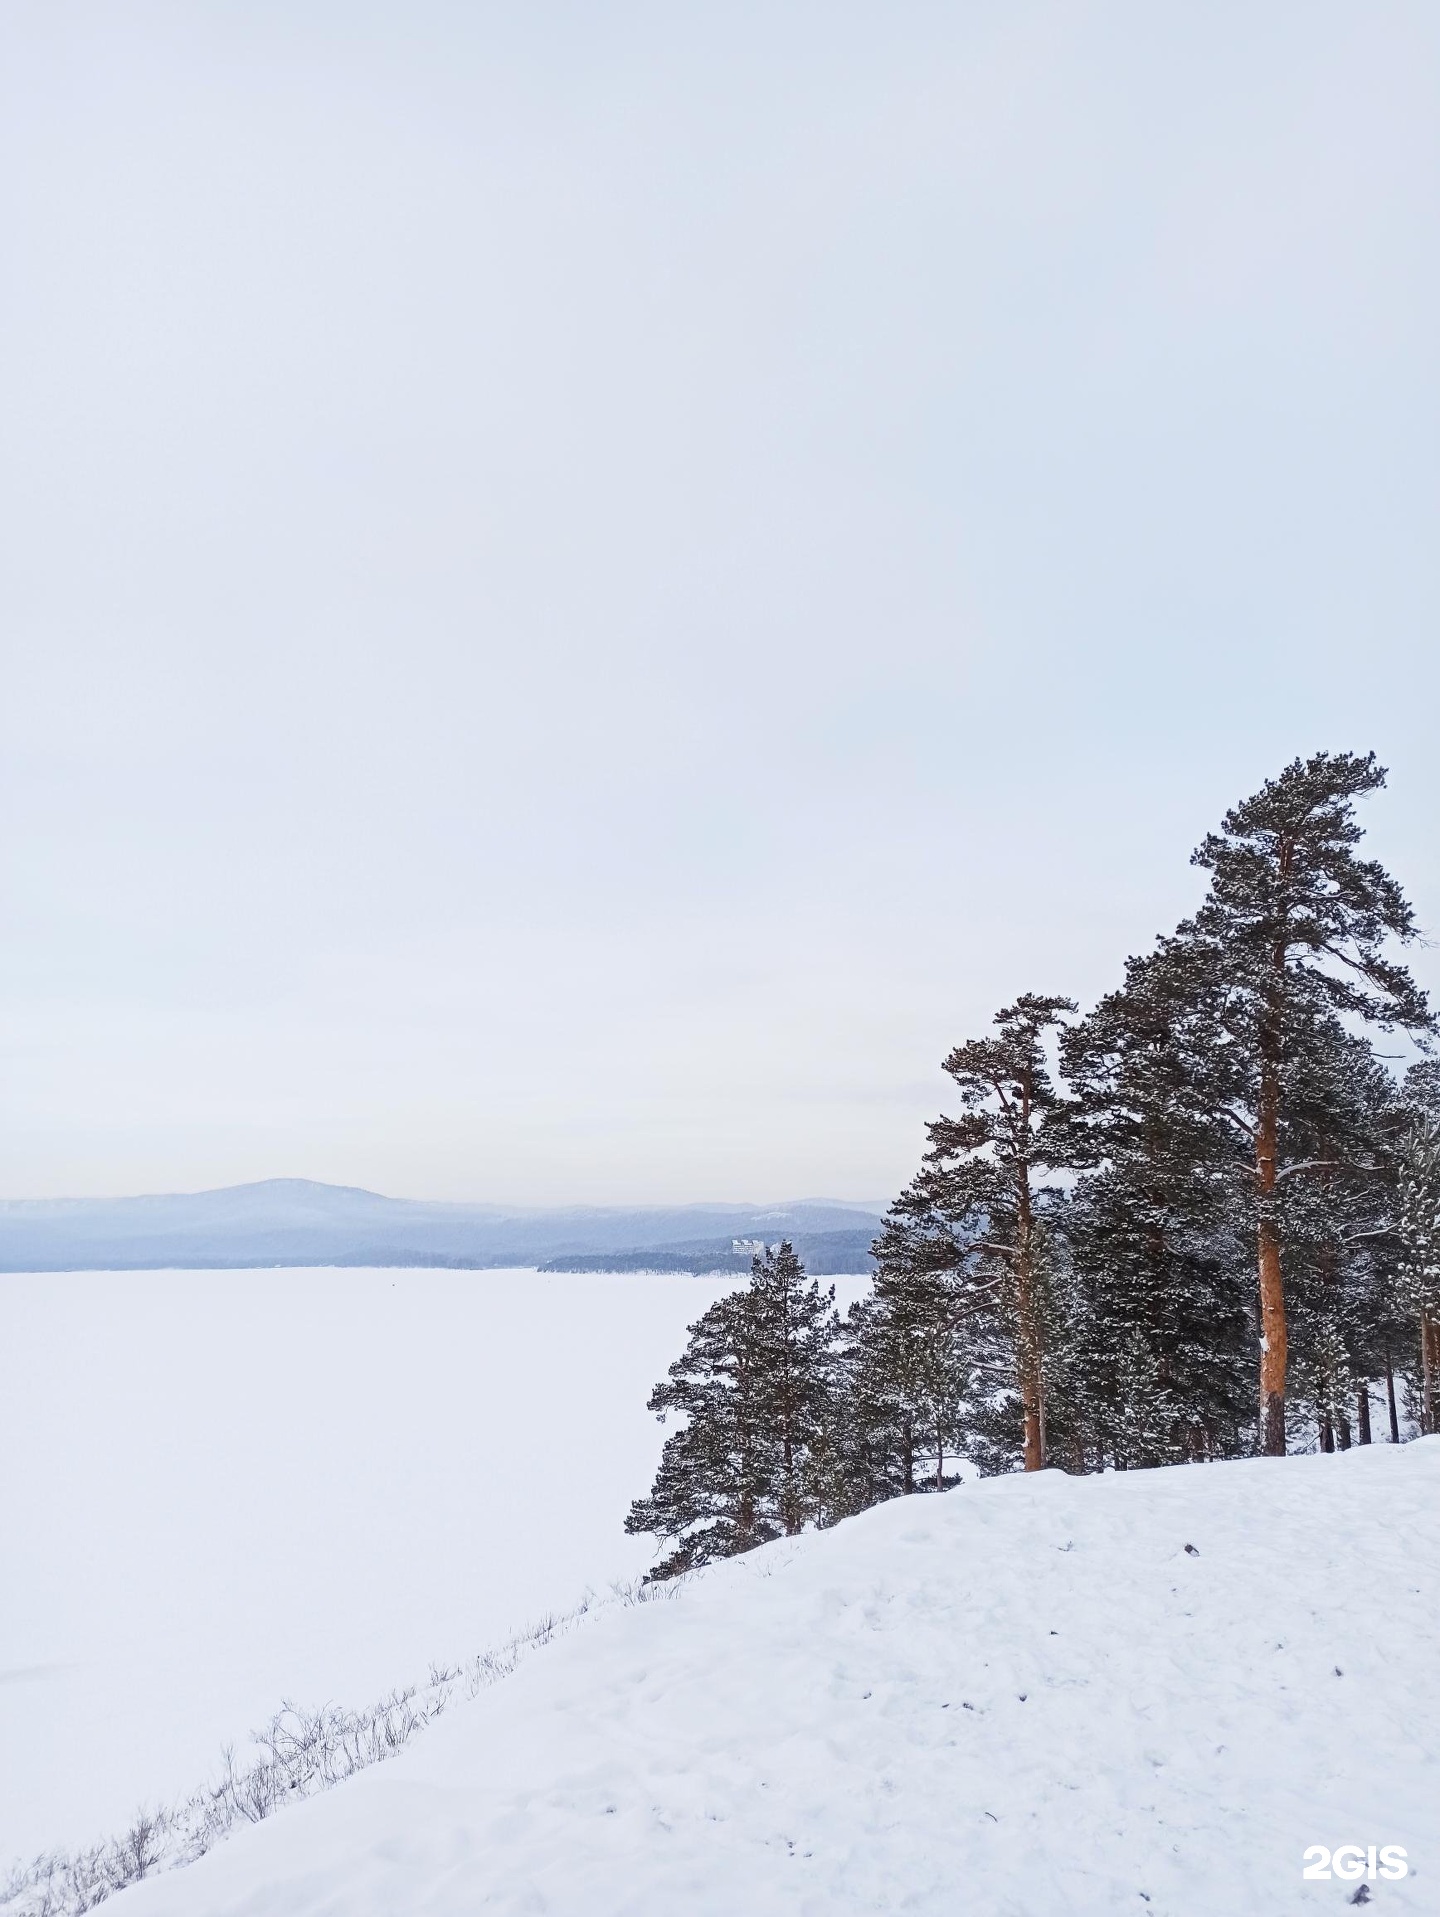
(1160, 1337)
(754, 1386)
(1418, 1229)
(1143, 1429)
(798, 1333)
(1293, 931)
(909, 1376)
(709, 1492)
(980, 1198)
(1336, 1213)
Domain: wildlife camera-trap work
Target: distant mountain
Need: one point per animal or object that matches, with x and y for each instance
(294, 1221)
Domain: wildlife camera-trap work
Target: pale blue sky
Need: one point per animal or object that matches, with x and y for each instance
(585, 590)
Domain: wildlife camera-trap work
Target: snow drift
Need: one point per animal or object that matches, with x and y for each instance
(1032, 1696)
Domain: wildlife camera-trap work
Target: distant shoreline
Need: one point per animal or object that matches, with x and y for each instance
(291, 1223)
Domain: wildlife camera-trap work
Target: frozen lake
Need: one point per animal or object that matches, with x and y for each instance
(220, 1489)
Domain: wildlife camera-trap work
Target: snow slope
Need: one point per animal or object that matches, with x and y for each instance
(1023, 1699)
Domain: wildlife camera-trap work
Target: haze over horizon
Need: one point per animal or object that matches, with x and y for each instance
(586, 592)
(258, 1185)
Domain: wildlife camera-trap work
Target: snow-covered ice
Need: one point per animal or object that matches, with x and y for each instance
(1026, 1698)
(220, 1489)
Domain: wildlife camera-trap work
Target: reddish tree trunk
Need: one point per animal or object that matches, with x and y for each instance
(1274, 1343)
(1031, 1377)
(1031, 1384)
(1274, 1350)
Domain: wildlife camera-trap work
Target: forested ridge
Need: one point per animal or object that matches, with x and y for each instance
(1199, 1221)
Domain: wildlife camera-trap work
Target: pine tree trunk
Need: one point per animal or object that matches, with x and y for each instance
(907, 1452)
(1390, 1398)
(745, 1520)
(1273, 1338)
(1031, 1384)
(1362, 1406)
(1427, 1374)
(1327, 1435)
(1342, 1431)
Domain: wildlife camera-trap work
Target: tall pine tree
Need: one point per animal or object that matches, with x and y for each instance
(1293, 932)
(982, 1193)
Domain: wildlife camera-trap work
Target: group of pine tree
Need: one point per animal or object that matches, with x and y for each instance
(1201, 1222)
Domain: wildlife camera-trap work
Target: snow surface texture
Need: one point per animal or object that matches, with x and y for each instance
(221, 1490)
(1027, 1698)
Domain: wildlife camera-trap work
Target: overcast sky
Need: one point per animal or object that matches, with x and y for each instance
(586, 589)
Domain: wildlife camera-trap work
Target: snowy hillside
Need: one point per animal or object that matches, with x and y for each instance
(1032, 1696)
